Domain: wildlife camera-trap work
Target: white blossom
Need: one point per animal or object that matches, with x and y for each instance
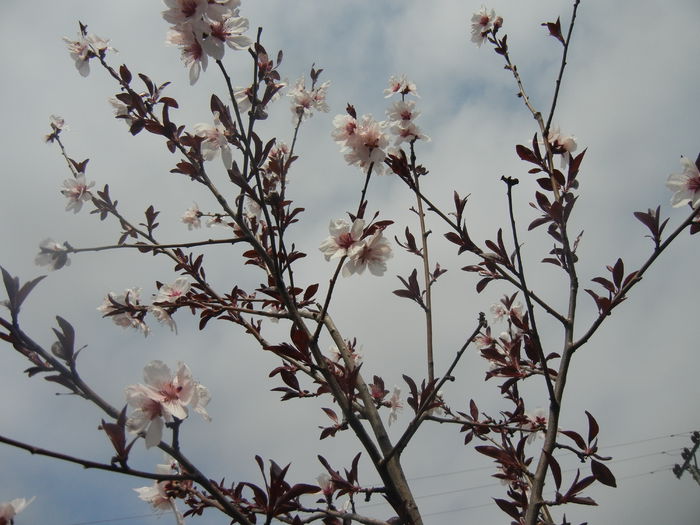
(685, 185)
(52, 254)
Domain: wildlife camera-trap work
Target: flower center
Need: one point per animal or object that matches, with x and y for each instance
(694, 184)
(345, 240)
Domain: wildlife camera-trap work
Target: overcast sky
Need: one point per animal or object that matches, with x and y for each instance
(629, 96)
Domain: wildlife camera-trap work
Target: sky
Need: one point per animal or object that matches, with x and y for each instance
(629, 95)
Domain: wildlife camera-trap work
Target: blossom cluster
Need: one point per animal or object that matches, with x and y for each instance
(362, 141)
(483, 23)
(86, 47)
(163, 398)
(304, 101)
(401, 116)
(126, 309)
(362, 249)
(203, 28)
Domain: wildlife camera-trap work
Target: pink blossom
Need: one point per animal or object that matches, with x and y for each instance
(395, 405)
(191, 217)
(402, 110)
(9, 509)
(77, 190)
(279, 151)
(227, 31)
(365, 144)
(147, 416)
(400, 85)
(345, 128)
(214, 140)
(500, 312)
(121, 111)
(685, 185)
(163, 317)
(123, 309)
(203, 28)
(562, 144)
(85, 48)
(402, 115)
(356, 355)
(305, 101)
(252, 209)
(57, 125)
(372, 252)
(182, 12)
(162, 398)
(537, 422)
(407, 131)
(343, 236)
(157, 493)
(482, 24)
(483, 341)
(244, 98)
(52, 254)
(192, 52)
(325, 483)
(275, 309)
(170, 293)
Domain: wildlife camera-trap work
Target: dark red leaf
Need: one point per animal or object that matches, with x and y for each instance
(576, 437)
(603, 473)
(592, 427)
(618, 273)
(125, 74)
(509, 508)
(555, 468)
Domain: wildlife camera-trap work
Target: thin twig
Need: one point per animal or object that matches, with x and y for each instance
(534, 333)
(420, 416)
(87, 464)
(428, 282)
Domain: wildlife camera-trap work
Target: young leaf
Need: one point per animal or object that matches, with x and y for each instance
(603, 473)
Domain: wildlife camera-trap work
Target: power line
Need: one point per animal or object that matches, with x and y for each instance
(466, 489)
(498, 483)
(123, 518)
(617, 445)
(471, 507)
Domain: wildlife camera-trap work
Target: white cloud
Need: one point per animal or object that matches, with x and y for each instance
(630, 97)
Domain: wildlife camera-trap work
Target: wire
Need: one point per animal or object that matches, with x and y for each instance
(123, 518)
(474, 469)
(470, 507)
(475, 487)
(498, 483)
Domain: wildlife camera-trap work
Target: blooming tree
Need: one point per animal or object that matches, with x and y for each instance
(315, 359)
